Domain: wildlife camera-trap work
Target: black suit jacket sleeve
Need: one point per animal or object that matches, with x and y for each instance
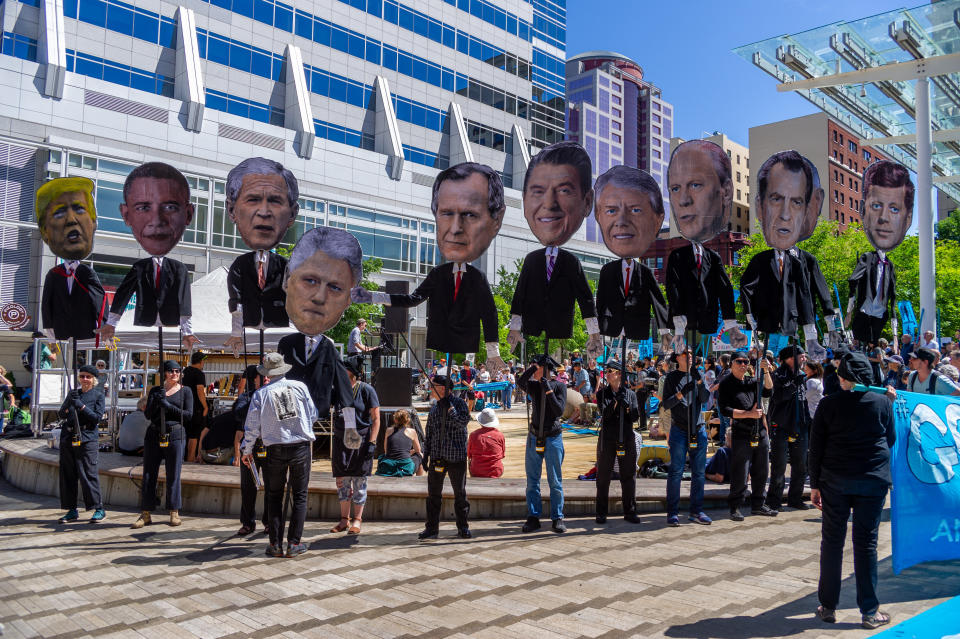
(720, 282)
(583, 292)
(672, 285)
(234, 284)
(125, 291)
(819, 288)
(421, 294)
(660, 312)
(488, 311)
(750, 287)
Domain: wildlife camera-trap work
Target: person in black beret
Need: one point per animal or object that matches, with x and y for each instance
(81, 412)
(850, 442)
(789, 429)
(619, 411)
(548, 398)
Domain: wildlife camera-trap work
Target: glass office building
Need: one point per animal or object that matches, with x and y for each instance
(364, 100)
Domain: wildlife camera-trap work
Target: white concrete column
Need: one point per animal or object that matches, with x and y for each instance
(386, 137)
(459, 148)
(52, 47)
(925, 217)
(298, 114)
(188, 85)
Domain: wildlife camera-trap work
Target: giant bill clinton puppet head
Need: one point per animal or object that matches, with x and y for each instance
(787, 203)
(468, 207)
(262, 201)
(156, 206)
(67, 217)
(629, 210)
(701, 191)
(887, 204)
(324, 265)
(557, 197)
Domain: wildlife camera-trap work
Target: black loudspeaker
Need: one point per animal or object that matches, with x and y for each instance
(393, 386)
(395, 320)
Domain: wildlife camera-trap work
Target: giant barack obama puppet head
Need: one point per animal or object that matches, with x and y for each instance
(557, 197)
(887, 204)
(701, 190)
(324, 265)
(67, 216)
(156, 206)
(629, 210)
(262, 201)
(468, 207)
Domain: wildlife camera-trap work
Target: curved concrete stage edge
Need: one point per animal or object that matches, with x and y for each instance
(30, 465)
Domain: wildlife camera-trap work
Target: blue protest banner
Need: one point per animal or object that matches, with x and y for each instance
(925, 463)
(908, 321)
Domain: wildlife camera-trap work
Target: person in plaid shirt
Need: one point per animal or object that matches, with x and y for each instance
(445, 451)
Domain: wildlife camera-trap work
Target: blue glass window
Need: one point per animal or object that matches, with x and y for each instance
(19, 46)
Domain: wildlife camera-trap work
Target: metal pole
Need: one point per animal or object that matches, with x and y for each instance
(928, 289)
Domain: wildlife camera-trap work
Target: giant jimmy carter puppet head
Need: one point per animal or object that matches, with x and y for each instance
(887, 204)
(324, 265)
(262, 201)
(67, 217)
(788, 199)
(156, 206)
(629, 210)
(557, 197)
(701, 191)
(468, 207)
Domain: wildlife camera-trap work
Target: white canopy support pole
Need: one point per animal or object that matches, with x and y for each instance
(928, 267)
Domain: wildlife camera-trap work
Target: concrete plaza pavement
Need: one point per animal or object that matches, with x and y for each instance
(753, 579)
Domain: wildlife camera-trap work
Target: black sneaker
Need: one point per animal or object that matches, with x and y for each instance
(532, 523)
(765, 510)
(601, 519)
(736, 515)
(559, 526)
(827, 615)
(464, 533)
(296, 549)
(427, 533)
(632, 518)
(800, 505)
(274, 550)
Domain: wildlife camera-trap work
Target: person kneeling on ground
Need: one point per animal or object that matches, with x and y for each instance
(282, 413)
(402, 455)
(718, 466)
(486, 447)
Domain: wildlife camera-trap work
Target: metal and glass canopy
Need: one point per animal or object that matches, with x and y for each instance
(880, 106)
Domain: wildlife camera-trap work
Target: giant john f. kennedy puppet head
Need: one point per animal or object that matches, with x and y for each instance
(67, 217)
(262, 201)
(468, 207)
(701, 191)
(557, 197)
(887, 204)
(629, 210)
(324, 265)
(156, 206)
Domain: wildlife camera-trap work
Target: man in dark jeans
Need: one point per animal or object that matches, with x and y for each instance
(737, 399)
(850, 445)
(282, 413)
(445, 452)
(789, 430)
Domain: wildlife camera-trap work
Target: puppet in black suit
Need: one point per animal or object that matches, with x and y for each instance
(701, 198)
(156, 206)
(887, 213)
(557, 198)
(324, 265)
(468, 207)
(262, 202)
(629, 211)
(776, 301)
(72, 304)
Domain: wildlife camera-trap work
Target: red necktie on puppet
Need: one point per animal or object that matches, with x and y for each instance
(156, 277)
(456, 288)
(626, 283)
(261, 275)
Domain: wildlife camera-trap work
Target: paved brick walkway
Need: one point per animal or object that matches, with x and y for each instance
(755, 579)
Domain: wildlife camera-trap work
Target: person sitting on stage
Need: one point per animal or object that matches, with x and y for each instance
(486, 446)
(81, 411)
(402, 456)
(132, 431)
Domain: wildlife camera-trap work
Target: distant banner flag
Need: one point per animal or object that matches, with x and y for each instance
(908, 321)
(720, 343)
(925, 462)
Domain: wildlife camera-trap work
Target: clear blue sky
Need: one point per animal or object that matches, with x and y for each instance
(685, 48)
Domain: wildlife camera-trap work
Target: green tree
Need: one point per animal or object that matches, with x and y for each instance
(949, 228)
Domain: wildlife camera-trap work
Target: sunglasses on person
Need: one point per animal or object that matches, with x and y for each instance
(741, 361)
(85, 376)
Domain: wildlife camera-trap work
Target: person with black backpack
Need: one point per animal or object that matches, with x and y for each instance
(924, 378)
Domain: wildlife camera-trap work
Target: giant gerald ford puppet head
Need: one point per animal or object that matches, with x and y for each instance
(887, 204)
(628, 210)
(67, 217)
(557, 197)
(468, 207)
(156, 206)
(262, 201)
(787, 203)
(701, 191)
(324, 265)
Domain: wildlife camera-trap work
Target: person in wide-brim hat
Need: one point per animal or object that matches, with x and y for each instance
(273, 365)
